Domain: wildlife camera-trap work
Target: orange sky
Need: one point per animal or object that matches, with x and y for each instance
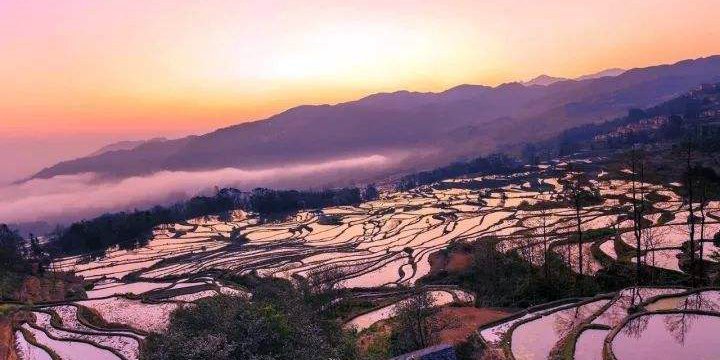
(147, 68)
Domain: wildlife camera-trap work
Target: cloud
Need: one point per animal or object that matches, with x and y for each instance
(72, 197)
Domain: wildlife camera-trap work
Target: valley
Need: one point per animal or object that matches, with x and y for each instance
(379, 251)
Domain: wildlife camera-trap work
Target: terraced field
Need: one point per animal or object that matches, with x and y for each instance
(379, 248)
(635, 323)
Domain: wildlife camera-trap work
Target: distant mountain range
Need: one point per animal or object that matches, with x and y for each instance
(125, 145)
(604, 73)
(466, 120)
(545, 80)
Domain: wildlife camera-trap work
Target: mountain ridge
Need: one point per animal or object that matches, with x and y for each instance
(124, 145)
(607, 72)
(401, 120)
(544, 80)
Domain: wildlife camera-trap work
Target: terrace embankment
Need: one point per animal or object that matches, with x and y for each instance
(7, 342)
(57, 287)
(453, 325)
(462, 321)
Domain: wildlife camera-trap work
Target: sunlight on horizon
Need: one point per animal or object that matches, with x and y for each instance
(156, 68)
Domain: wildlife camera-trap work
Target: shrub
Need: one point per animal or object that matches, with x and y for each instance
(233, 327)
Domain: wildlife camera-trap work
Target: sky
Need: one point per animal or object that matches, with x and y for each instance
(78, 74)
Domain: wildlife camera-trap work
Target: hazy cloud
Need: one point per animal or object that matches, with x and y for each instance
(64, 198)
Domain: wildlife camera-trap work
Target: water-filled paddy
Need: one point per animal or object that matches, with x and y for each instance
(668, 336)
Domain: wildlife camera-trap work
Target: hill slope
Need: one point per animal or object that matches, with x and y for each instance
(124, 145)
(604, 73)
(458, 122)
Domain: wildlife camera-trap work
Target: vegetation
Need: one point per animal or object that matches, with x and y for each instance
(12, 250)
(668, 121)
(14, 263)
(509, 280)
(280, 322)
(128, 230)
(24, 275)
(492, 164)
(279, 203)
(300, 319)
(414, 326)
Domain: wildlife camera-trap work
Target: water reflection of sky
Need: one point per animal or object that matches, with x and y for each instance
(627, 299)
(535, 339)
(669, 336)
(703, 300)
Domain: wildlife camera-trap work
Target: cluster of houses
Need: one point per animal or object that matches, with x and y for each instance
(707, 121)
(633, 128)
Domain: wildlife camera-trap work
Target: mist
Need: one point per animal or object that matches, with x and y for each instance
(67, 198)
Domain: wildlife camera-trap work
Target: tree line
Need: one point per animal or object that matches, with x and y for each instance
(130, 229)
(488, 165)
(18, 257)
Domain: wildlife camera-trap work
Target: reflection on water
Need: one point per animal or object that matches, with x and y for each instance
(534, 340)
(566, 320)
(669, 336)
(666, 303)
(494, 334)
(627, 299)
(589, 344)
(704, 300)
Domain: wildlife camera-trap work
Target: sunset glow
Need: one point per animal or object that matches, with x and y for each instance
(359, 179)
(108, 66)
(104, 71)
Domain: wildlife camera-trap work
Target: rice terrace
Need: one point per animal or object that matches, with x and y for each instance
(376, 251)
(360, 180)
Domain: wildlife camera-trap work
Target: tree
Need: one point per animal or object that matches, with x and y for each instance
(371, 193)
(530, 154)
(525, 247)
(414, 326)
(544, 225)
(573, 189)
(233, 327)
(237, 236)
(539, 227)
(653, 238)
(637, 181)
(12, 249)
(689, 185)
(326, 279)
(705, 187)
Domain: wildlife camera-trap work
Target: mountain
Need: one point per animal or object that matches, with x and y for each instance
(544, 80)
(604, 73)
(125, 145)
(467, 120)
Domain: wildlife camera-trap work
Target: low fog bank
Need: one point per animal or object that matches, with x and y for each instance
(63, 199)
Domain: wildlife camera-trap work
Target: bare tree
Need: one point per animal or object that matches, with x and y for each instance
(540, 227)
(576, 194)
(704, 185)
(413, 317)
(653, 238)
(637, 181)
(326, 278)
(689, 200)
(525, 247)
(580, 257)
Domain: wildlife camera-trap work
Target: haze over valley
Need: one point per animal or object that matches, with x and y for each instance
(409, 131)
(359, 180)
